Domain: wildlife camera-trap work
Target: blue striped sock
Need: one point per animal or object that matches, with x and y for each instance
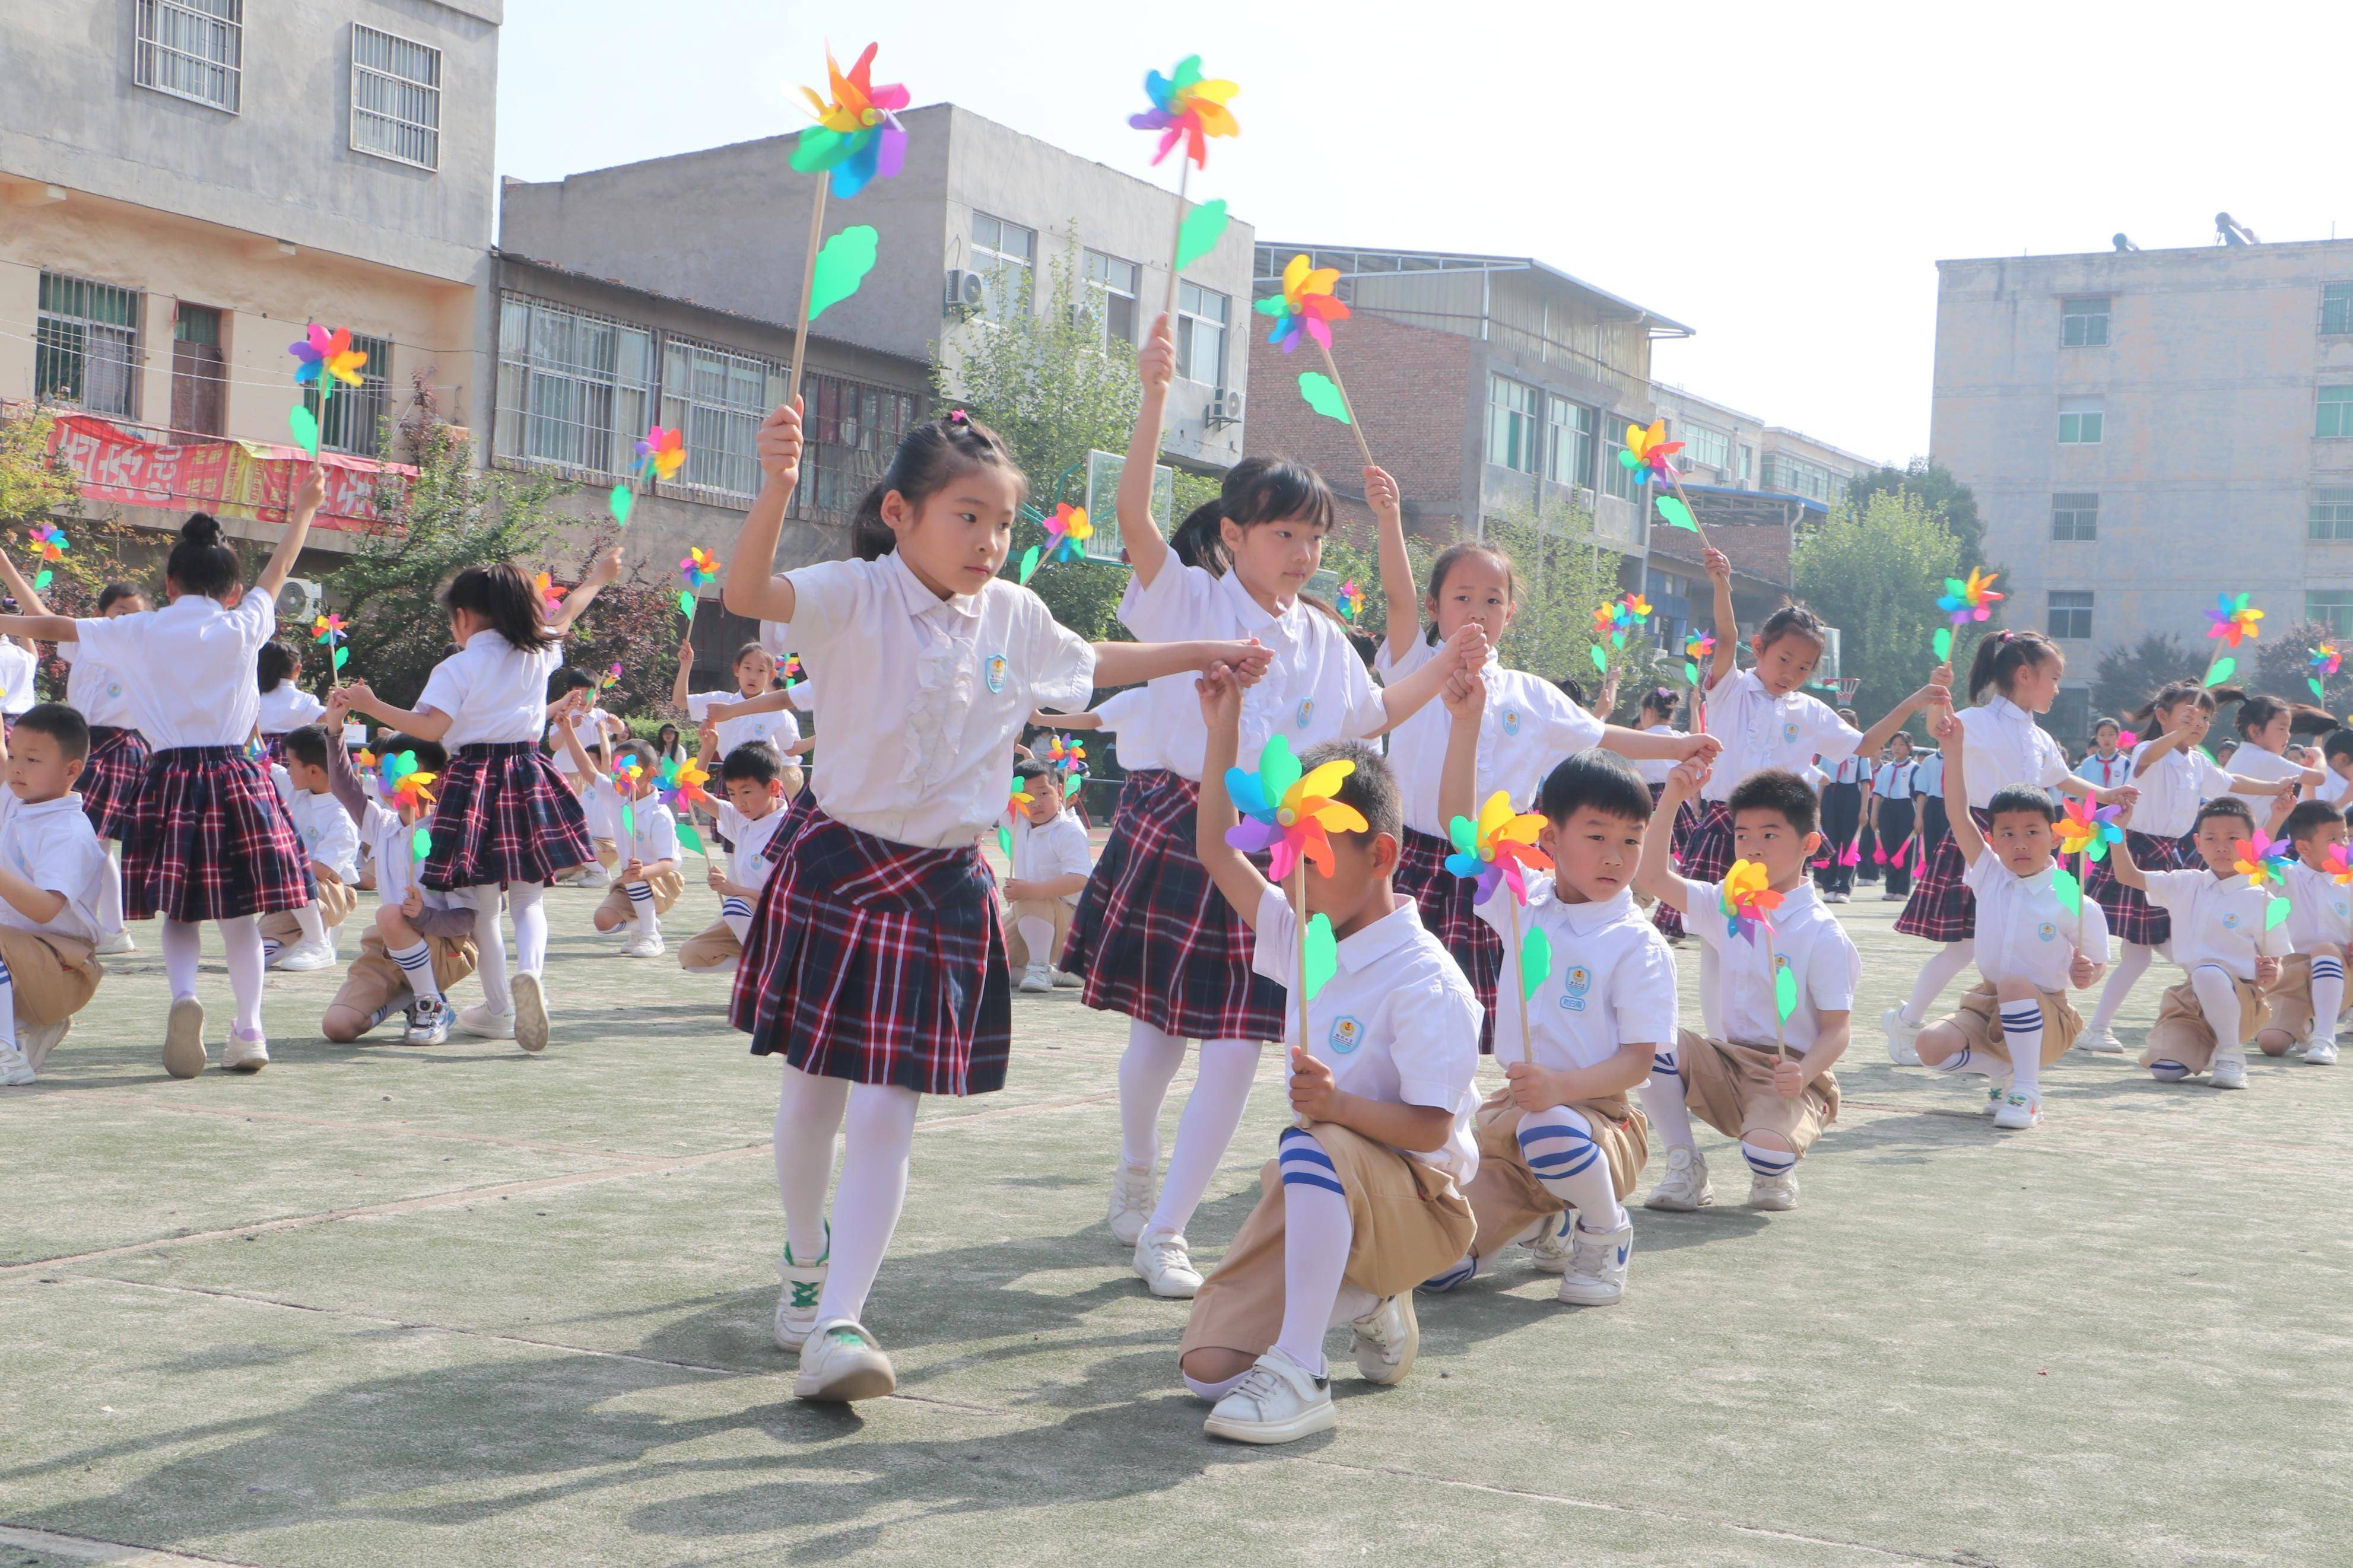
(1767, 1162)
(1302, 1162)
(2021, 1031)
(415, 963)
(1960, 1061)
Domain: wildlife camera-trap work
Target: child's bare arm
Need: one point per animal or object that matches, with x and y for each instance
(1236, 878)
(1655, 875)
(1458, 778)
(753, 588)
(1966, 837)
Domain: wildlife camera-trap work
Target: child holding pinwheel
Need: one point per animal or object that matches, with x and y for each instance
(757, 710)
(646, 884)
(2265, 725)
(1588, 997)
(2038, 937)
(2304, 1005)
(749, 815)
(1052, 862)
(1364, 1198)
(304, 939)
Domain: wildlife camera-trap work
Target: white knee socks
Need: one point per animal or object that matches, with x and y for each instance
(242, 938)
(110, 891)
(737, 913)
(313, 924)
(181, 943)
(1146, 1070)
(808, 1115)
(2129, 969)
(2218, 998)
(1558, 1145)
(2022, 1032)
(1038, 936)
(1710, 991)
(491, 950)
(878, 1134)
(527, 903)
(7, 1007)
(1767, 1162)
(1316, 1234)
(1221, 1089)
(1662, 1099)
(415, 963)
(2327, 994)
(641, 896)
(1935, 975)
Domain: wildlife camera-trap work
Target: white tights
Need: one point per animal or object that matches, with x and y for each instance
(1949, 960)
(241, 940)
(2121, 980)
(879, 1135)
(527, 902)
(1222, 1086)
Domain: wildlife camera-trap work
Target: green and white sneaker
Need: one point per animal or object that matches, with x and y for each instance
(797, 1303)
(841, 1363)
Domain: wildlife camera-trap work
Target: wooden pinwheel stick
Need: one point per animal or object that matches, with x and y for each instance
(1773, 973)
(1355, 429)
(1700, 528)
(1520, 980)
(1176, 245)
(1298, 910)
(809, 287)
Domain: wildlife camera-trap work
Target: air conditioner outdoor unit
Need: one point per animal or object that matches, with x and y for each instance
(966, 294)
(1225, 408)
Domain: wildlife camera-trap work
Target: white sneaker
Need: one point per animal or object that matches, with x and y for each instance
(530, 1011)
(2100, 1043)
(1551, 1246)
(1597, 1266)
(1277, 1401)
(2320, 1053)
(15, 1069)
(1901, 1033)
(2017, 1112)
(1685, 1186)
(1131, 1198)
(428, 1022)
(1165, 1265)
(842, 1363)
(117, 944)
(1773, 1195)
(304, 956)
(2230, 1072)
(37, 1040)
(1037, 978)
(1064, 979)
(643, 946)
(594, 876)
(1386, 1339)
(1996, 1093)
(244, 1053)
(797, 1302)
(184, 1038)
(485, 1022)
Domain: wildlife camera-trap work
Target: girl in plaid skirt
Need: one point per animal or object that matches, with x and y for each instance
(504, 823)
(875, 965)
(208, 838)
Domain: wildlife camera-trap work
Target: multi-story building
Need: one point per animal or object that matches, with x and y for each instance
(186, 183)
(2145, 428)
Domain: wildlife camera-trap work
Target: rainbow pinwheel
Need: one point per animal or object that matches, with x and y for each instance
(2087, 828)
(1064, 753)
(1746, 902)
(857, 137)
(328, 629)
(1502, 848)
(1351, 601)
(49, 542)
(401, 781)
(1016, 806)
(1287, 814)
(2325, 662)
(1070, 531)
(550, 595)
(660, 453)
(1698, 649)
(1646, 452)
(1972, 600)
(681, 782)
(2232, 620)
(2261, 859)
(610, 679)
(325, 358)
(700, 569)
(1637, 608)
(1187, 108)
(789, 666)
(1307, 307)
(626, 772)
(2335, 864)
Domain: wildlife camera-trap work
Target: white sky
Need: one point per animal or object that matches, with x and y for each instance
(1783, 178)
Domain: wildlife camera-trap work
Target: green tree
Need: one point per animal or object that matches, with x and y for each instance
(1874, 573)
(2281, 664)
(33, 483)
(2129, 675)
(1933, 485)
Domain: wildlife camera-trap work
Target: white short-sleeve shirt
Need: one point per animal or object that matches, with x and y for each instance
(52, 846)
(95, 688)
(1851, 770)
(1654, 770)
(16, 669)
(2217, 920)
(2320, 909)
(1529, 725)
(1612, 980)
(591, 724)
(2001, 745)
(1896, 780)
(2023, 932)
(2172, 788)
(1808, 941)
(287, 706)
(1055, 847)
(747, 862)
(393, 846)
(2108, 772)
(657, 825)
(494, 692)
(1315, 690)
(1127, 716)
(1761, 730)
(190, 666)
(1396, 1022)
(779, 728)
(923, 696)
(329, 838)
(2253, 762)
(2334, 787)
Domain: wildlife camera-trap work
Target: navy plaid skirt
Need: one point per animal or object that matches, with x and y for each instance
(208, 839)
(501, 814)
(1704, 856)
(1155, 937)
(113, 779)
(1447, 913)
(2131, 917)
(800, 805)
(1941, 906)
(878, 963)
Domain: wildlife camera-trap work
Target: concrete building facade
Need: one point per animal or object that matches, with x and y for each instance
(2145, 428)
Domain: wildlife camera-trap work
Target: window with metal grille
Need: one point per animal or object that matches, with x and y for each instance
(86, 345)
(2331, 513)
(852, 430)
(2333, 608)
(1512, 410)
(2071, 614)
(191, 48)
(351, 420)
(1111, 290)
(395, 97)
(718, 399)
(2336, 309)
(2084, 323)
(2080, 421)
(574, 389)
(2334, 417)
(1201, 318)
(2075, 516)
(1568, 442)
(1005, 255)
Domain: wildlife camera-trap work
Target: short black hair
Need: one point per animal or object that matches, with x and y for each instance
(1372, 789)
(570, 678)
(1030, 768)
(1593, 777)
(2336, 744)
(2021, 798)
(2224, 805)
(60, 723)
(2310, 816)
(307, 746)
(274, 664)
(1776, 790)
(432, 757)
(753, 759)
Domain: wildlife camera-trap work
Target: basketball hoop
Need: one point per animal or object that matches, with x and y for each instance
(1846, 687)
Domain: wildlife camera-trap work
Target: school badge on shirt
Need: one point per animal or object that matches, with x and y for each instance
(1346, 1036)
(993, 671)
(1511, 722)
(1790, 730)
(1306, 710)
(2047, 931)
(1574, 984)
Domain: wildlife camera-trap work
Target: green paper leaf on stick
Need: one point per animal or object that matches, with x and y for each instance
(2275, 912)
(1785, 988)
(1535, 961)
(1004, 840)
(420, 843)
(842, 267)
(1322, 396)
(689, 836)
(1600, 659)
(1618, 640)
(1944, 642)
(2222, 670)
(1323, 954)
(306, 427)
(686, 603)
(1202, 228)
(2070, 891)
(1073, 784)
(341, 654)
(628, 819)
(2313, 681)
(1278, 769)
(42, 579)
(619, 502)
(1029, 559)
(1675, 512)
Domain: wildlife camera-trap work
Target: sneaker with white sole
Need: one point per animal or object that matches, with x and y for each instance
(804, 1285)
(1597, 1266)
(428, 1023)
(37, 1040)
(643, 945)
(1165, 1265)
(1037, 977)
(842, 1363)
(305, 956)
(2229, 1072)
(1445, 1279)
(1773, 1195)
(1277, 1401)
(485, 1022)
(1685, 1185)
(1996, 1092)
(2017, 1112)
(184, 1038)
(15, 1069)
(1386, 1339)
(115, 945)
(245, 1052)
(2100, 1043)
(1064, 979)
(593, 876)
(1131, 1198)
(2320, 1053)
(1551, 1248)
(1901, 1034)
(530, 1011)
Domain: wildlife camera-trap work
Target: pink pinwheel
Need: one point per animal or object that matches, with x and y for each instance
(1748, 901)
(1500, 848)
(2232, 620)
(550, 595)
(1186, 108)
(1070, 531)
(2088, 830)
(857, 136)
(1286, 812)
(1305, 307)
(2337, 864)
(326, 357)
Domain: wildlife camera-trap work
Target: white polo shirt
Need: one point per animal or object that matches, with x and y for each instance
(287, 706)
(190, 666)
(656, 827)
(747, 863)
(1396, 1022)
(2333, 786)
(1654, 770)
(1850, 771)
(2320, 909)
(779, 728)
(1761, 730)
(2023, 932)
(1056, 848)
(494, 692)
(2217, 920)
(2107, 773)
(1895, 781)
(2251, 762)
(1127, 715)
(2003, 745)
(96, 688)
(329, 836)
(1808, 941)
(589, 724)
(17, 665)
(1529, 725)
(1612, 980)
(51, 845)
(2172, 789)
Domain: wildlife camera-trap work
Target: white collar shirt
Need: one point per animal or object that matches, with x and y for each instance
(1807, 941)
(1529, 725)
(191, 666)
(96, 688)
(2108, 772)
(1930, 779)
(1124, 716)
(1396, 1022)
(2217, 920)
(1896, 780)
(1654, 770)
(1850, 771)
(392, 845)
(1761, 730)
(1055, 847)
(2334, 787)
(494, 692)
(2253, 762)
(51, 845)
(779, 728)
(16, 669)
(2023, 932)
(329, 838)
(656, 835)
(923, 696)
(287, 706)
(2003, 745)
(1611, 982)
(748, 859)
(2320, 909)
(589, 724)
(2172, 788)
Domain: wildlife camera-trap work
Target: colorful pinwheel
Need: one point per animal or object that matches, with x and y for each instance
(1637, 608)
(550, 596)
(1646, 452)
(1070, 531)
(1746, 902)
(857, 137)
(1500, 848)
(2324, 663)
(2260, 859)
(1064, 753)
(700, 569)
(1187, 108)
(2086, 829)
(2232, 620)
(1351, 601)
(2337, 864)
(328, 629)
(789, 666)
(609, 679)
(400, 780)
(681, 782)
(1287, 814)
(1305, 307)
(1972, 600)
(1698, 649)
(49, 542)
(660, 453)
(325, 358)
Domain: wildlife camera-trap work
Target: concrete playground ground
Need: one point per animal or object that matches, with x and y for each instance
(457, 1305)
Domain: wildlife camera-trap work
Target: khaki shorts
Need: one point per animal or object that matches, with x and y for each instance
(54, 976)
(1730, 1087)
(1979, 1022)
(1410, 1224)
(667, 887)
(2288, 999)
(609, 854)
(709, 948)
(336, 903)
(1057, 910)
(1505, 1197)
(374, 981)
(2182, 1033)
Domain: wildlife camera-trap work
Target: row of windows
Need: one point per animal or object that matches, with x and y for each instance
(195, 50)
(1005, 255)
(1532, 431)
(2075, 515)
(2084, 322)
(2082, 420)
(2068, 612)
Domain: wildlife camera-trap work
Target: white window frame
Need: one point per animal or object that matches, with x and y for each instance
(1514, 410)
(549, 397)
(2333, 608)
(2080, 309)
(2083, 521)
(1102, 289)
(1193, 322)
(71, 331)
(1570, 438)
(2343, 404)
(2085, 409)
(1707, 447)
(718, 429)
(162, 28)
(2336, 309)
(996, 265)
(395, 84)
(2080, 602)
(2328, 515)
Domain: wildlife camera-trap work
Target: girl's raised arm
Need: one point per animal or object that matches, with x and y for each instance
(603, 570)
(1157, 364)
(308, 499)
(752, 588)
(1728, 623)
(1397, 565)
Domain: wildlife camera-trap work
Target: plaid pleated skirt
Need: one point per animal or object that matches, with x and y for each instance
(112, 779)
(1941, 908)
(1704, 855)
(878, 963)
(1447, 913)
(799, 806)
(208, 839)
(501, 814)
(1155, 937)
(2131, 917)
